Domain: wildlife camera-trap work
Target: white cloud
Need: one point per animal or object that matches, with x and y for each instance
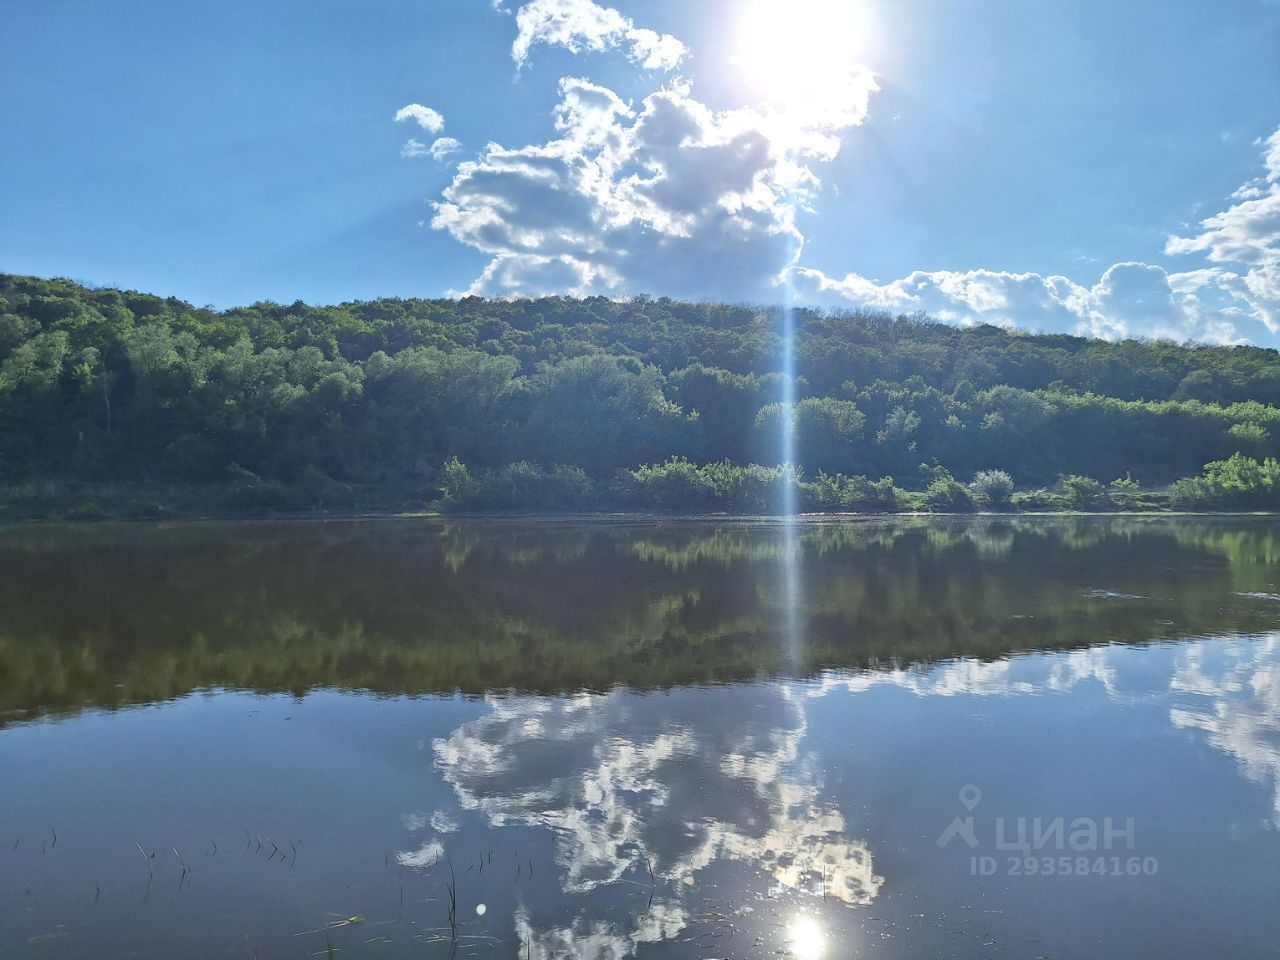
(655, 51)
(1213, 303)
(668, 196)
(428, 119)
(975, 296)
(581, 25)
(414, 148)
(1246, 233)
(1128, 299)
(443, 147)
(440, 149)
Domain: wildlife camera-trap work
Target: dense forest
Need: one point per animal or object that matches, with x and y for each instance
(560, 403)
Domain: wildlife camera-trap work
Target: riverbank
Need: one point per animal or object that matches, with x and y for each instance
(56, 502)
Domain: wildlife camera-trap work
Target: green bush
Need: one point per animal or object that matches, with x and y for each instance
(856, 494)
(992, 487)
(1125, 492)
(1084, 493)
(517, 486)
(676, 484)
(457, 485)
(1237, 482)
(1125, 484)
(1248, 437)
(679, 484)
(945, 493)
(1039, 500)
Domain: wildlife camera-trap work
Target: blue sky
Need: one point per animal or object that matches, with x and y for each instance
(1097, 167)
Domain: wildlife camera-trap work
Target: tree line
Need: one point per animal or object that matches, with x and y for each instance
(651, 403)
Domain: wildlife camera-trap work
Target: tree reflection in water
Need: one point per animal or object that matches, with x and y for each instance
(683, 744)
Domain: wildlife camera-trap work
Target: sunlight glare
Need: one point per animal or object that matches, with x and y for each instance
(800, 54)
(807, 939)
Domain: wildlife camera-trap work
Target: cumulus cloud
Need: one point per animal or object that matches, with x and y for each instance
(665, 196)
(581, 25)
(1246, 233)
(1213, 304)
(976, 296)
(1128, 298)
(428, 119)
(671, 196)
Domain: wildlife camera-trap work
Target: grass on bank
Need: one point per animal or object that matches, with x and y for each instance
(674, 486)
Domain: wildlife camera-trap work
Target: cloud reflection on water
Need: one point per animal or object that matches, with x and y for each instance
(688, 778)
(677, 779)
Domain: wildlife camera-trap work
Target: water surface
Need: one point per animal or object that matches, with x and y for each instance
(953, 738)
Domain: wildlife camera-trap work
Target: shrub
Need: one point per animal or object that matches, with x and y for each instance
(679, 484)
(457, 486)
(517, 486)
(945, 493)
(992, 487)
(1127, 492)
(859, 494)
(1084, 493)
(1125, 484)
(1238, 481)
(1189, 493)
(1248, 437)
(1039, 500)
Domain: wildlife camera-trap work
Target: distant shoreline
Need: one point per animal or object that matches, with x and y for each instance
(123, 503)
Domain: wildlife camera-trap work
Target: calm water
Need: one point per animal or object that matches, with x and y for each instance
(1020, 738)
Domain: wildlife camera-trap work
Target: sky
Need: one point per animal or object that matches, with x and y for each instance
(1105, 168)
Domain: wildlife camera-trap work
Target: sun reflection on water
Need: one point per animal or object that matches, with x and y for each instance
(806, 939)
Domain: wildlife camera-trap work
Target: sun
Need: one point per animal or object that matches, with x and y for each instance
(806, 941)
(800, 54)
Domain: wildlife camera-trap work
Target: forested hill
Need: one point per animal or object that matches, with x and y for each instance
(113, 385)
